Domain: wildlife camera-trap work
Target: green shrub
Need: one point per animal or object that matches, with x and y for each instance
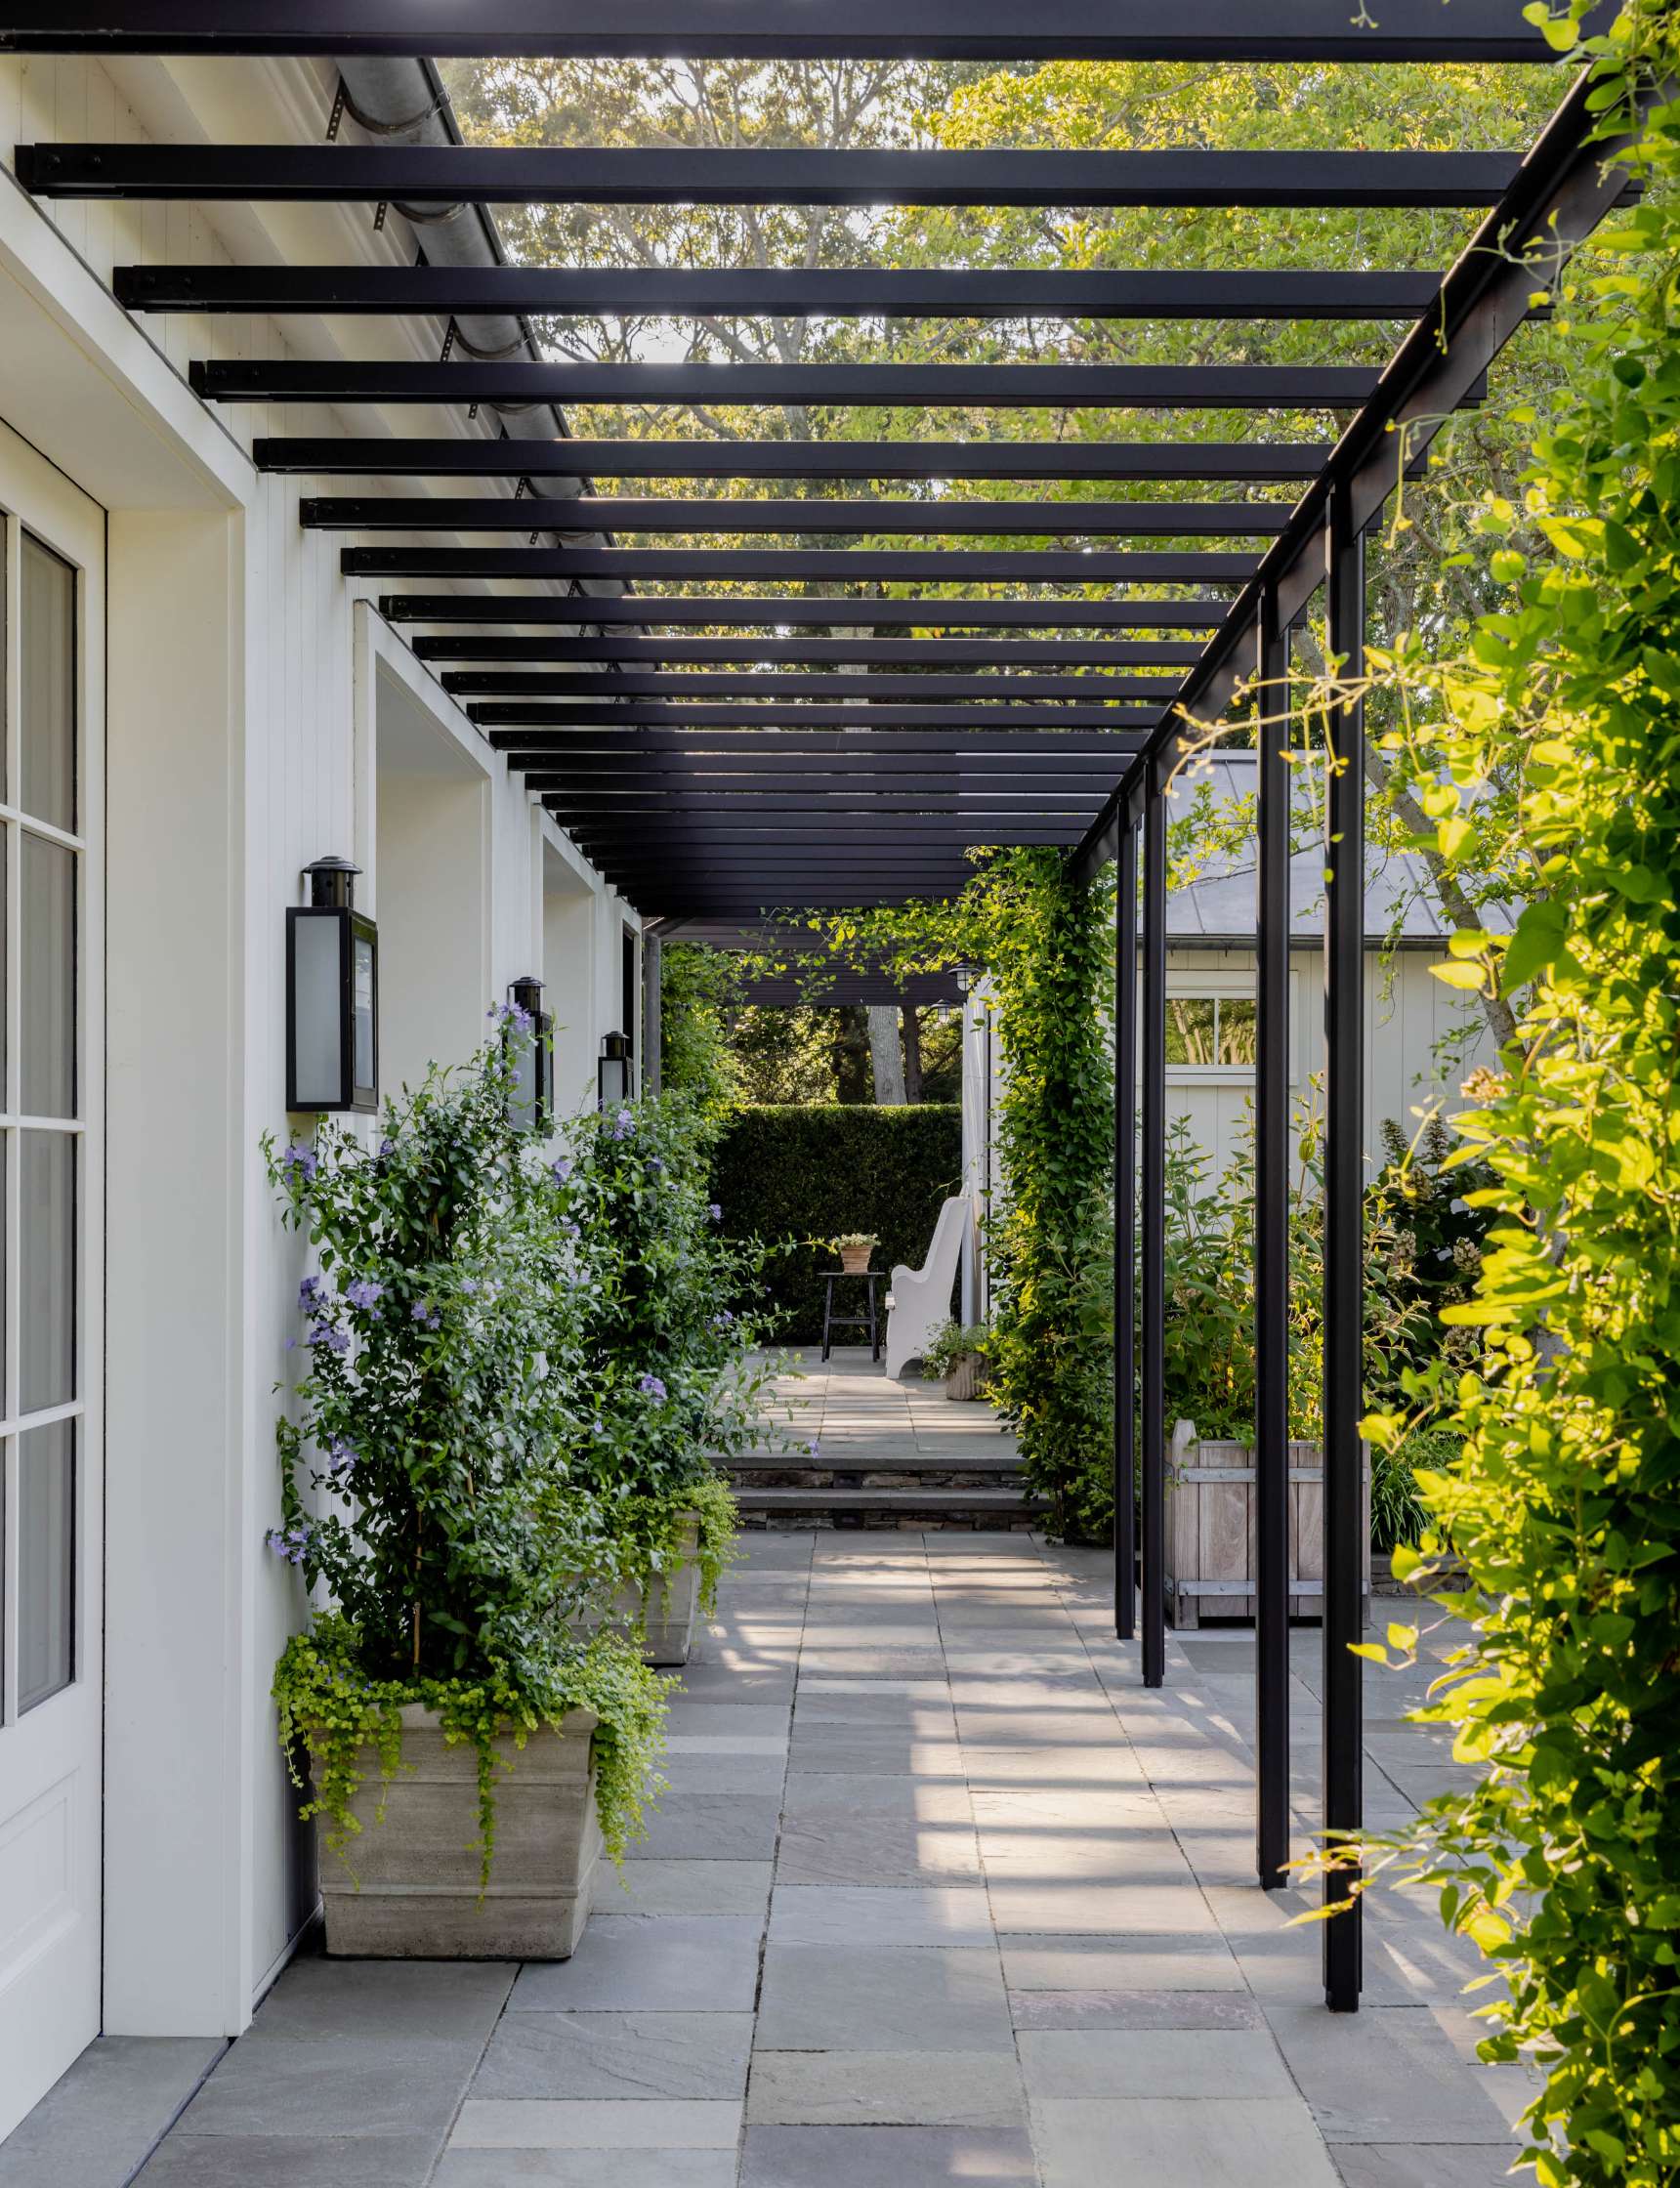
(809, 1174)
(424, 1490)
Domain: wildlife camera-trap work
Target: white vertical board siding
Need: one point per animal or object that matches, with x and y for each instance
(244, 732)
(1407, 1012)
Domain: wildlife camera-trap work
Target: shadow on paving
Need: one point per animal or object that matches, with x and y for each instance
(939, 1893)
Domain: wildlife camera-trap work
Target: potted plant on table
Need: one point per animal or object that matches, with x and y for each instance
(470, 1756)
(854, 1248)
(670, 1388)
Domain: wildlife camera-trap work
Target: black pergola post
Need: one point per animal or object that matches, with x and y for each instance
(1344, 1241)
(1125, 1230)
(1155, 1239)
(1271, 1153)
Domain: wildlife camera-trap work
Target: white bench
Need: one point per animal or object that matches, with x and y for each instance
(921, 1297)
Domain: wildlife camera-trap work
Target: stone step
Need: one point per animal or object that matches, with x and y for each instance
(886, 1507)
(888, 1461)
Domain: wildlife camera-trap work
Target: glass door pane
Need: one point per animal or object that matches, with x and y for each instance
(48, 720)
(45, 1562)
(49, 999)
(47, 1277)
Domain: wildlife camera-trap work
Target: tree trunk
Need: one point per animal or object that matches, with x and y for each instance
(884, 1053)
(912, 1054)
(851, 1054)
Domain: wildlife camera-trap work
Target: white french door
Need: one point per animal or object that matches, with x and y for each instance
(51, 707)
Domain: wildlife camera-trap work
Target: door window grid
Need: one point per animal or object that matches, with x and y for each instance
(42, 887)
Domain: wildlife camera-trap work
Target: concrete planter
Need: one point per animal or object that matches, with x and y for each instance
(665, 1611)
(414, 1893)
(1210, 1529)
(966, 1380)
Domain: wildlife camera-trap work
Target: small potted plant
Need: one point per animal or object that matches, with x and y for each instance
(471, 1756)
(956, 1357)
(854, 1248)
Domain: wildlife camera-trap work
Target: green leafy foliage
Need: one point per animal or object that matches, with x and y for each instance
(519, 1366)
(950, 1342)
(805, 1174)
(424, 1477)
(1564, 1510)
(343, 1722)
(698, 989)
(672, 1310)
(1046, 946)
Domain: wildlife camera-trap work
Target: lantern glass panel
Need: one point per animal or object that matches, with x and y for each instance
(317, 1077)
(525, 1102)
(363, 1012)
(614, 1082)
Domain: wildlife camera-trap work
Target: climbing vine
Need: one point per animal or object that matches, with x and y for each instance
(1046, 946)
(1563, 1863)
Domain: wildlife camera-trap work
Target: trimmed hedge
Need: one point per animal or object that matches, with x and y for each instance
(808, 1172)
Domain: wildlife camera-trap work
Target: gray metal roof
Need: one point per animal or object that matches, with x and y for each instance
(1218, 909)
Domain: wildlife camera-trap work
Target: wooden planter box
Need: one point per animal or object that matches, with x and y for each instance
(1210, 1529)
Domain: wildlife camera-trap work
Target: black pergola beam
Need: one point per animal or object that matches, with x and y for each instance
(614, 175)
(820, 841)
(617, 514)
(720, 685)
(1235, 461)
(805, 565)
(663, 780)
(1007, 654)
(768, 806)
(1199, 31)
(644, 714)
(1048, 386)
(861, 746)
(1563, 188)
(772, 292)
(779, 613)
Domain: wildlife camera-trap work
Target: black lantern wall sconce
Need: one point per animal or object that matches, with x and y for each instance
(612, 1073)
(530, 1096)
(332, 995)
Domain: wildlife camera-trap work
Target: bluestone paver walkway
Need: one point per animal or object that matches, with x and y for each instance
(937, 1894)
(849, 1405)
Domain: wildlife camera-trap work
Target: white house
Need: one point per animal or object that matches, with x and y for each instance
(197, 706)
(1421, 1038)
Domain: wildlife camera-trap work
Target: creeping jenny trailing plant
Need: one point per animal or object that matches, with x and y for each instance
(426, 1485)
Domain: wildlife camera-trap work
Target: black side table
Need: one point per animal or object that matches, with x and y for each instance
(831, 1320)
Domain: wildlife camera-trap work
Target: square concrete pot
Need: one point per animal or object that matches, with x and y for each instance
(410, 1890)
(664, 1610)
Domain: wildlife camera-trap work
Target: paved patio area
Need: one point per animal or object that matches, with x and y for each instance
(850, 1406)
(937, 1894)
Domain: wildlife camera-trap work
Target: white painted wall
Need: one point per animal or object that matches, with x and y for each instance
(258, 717)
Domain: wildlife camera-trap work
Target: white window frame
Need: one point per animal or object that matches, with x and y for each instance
(1231, 984)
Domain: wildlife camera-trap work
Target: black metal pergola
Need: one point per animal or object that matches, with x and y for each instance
(805, 767)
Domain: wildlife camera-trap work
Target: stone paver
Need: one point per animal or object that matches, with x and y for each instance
(938, 1894)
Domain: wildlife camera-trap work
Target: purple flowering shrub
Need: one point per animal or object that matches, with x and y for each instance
(673, 1382)
(426, 1471)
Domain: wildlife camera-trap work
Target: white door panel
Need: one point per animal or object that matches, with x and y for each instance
(52, 1194)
